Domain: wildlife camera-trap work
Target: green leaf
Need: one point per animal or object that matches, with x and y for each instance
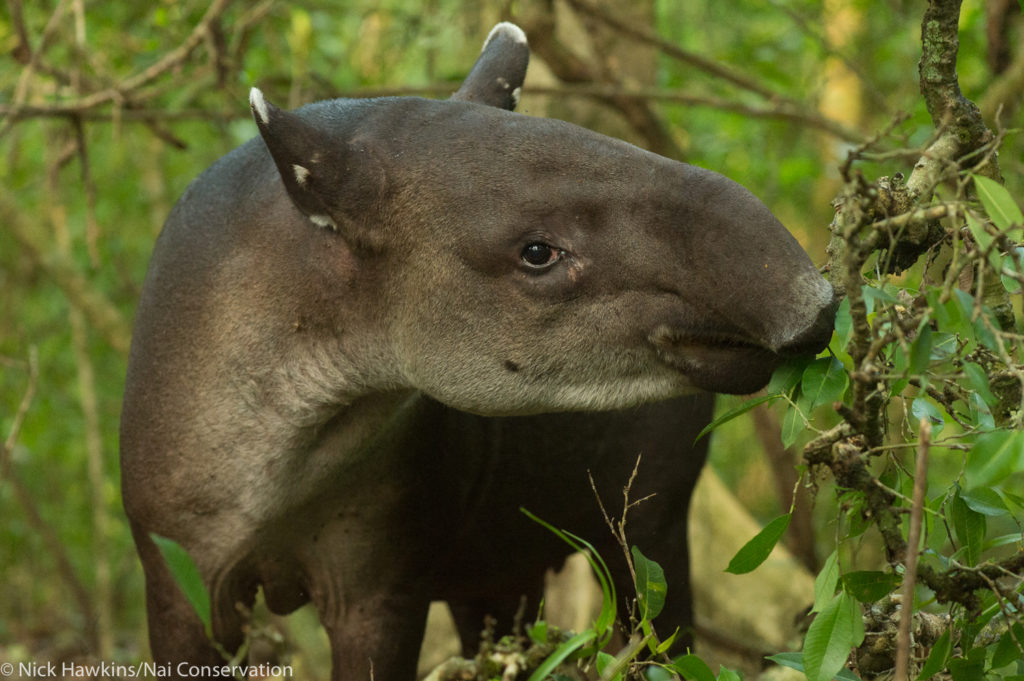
(538, 633)
(561, 653)
(980, 414)
(830, 637)
(1012, 262)
(844, 323)
(736, 411)
(692, 668)
(796, 661)
(603, 660)
(970, 529)
(999, 204)
(824, 381)
(936, 661)
(994, 457)
(969, 668)
(792, 426)
(874, 295)
(726, 674)
(187, 576)
(1008, 649)
(667, 643)
(603, 627)
(651, 587)
(826, 581)
(978, 231)
(978, 381)
(787, 376)
(868, 586)
(922, 408)
(757, 550)
(921, 351)
(985, 501)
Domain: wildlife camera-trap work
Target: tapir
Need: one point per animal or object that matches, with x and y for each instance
(370, 335)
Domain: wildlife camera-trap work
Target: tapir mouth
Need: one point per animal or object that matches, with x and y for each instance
(722, 362)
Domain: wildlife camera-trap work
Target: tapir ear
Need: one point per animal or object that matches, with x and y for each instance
(497, 77)
(298, 149)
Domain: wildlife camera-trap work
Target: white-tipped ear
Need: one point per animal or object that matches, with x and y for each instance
(508, 29)
(259, 105)
(499, 71)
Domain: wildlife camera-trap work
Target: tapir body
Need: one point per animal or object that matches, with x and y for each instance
(371, 335)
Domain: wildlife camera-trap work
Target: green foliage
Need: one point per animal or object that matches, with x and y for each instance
(651, 586)
(187, 576)
(756, 551)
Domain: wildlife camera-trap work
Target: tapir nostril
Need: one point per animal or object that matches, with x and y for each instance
(816, 336)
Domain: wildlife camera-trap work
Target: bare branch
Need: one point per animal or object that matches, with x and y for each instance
(23, 407)
(913, 546)
(119, 92)
(702, 63)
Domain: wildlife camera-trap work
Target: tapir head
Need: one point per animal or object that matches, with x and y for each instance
(516, 265)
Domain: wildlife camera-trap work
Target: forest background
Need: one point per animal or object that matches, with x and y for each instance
(109, 110)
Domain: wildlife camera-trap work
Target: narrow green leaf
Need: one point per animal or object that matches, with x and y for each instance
(792, 426)
(757, 550)
(726, 674)
(998, 202)
(844, 324)
(986, 501)
(791, 660)
(735, 412)
(970, 527)
(1012, 263)
(868, 586)
(651, 587)
(603, 627)
(826, 581)
(874, 295)
(978, 231)
(796, 661)
(980, 412)
(978, 381)
(561, 653)
(692, 668)
(830, 637)
(187, 576)
(667, 643)
(936, 661)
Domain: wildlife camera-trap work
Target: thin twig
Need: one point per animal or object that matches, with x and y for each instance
(119, 92)
(913, 546)
(23, 407)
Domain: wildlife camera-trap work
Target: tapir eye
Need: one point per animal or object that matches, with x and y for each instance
(539, 255)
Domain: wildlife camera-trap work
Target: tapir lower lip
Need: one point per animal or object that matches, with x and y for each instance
(717, 362)
(666, 338)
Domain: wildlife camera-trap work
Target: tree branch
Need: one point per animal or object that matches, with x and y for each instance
(119, 92)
